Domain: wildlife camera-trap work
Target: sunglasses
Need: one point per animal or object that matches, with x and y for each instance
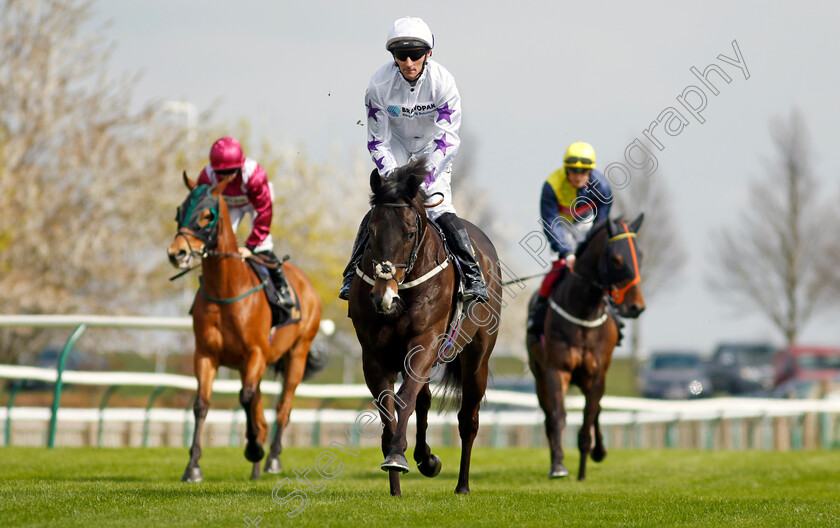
(227, 172)
(573, 160)
(576, 170)
(413, 54)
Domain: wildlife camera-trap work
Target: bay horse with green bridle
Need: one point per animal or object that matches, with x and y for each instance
(232, 324)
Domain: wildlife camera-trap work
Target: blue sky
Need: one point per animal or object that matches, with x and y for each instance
(533, 77)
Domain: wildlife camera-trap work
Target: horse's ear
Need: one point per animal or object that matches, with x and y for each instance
(637, 223)
(220, 187)
(610, 230)
(188, 182)
(417, 175)
(375, 180)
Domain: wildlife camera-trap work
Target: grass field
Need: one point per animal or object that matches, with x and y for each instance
(140, 487)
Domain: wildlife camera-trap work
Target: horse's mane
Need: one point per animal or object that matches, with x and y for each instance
(403, 184)
(590, 236)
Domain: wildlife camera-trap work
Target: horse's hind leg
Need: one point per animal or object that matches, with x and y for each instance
(556, 383)
(427, 463)
(295, 364)
(590, 415)
(205, 373)
(473, 383)
(557, 469)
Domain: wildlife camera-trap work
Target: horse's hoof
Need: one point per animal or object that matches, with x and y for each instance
(395, 462)
(462, 491)
(558, 472)
(273, 466)
(431, 470)
(192, 474)
(599, 454)
(254, 452)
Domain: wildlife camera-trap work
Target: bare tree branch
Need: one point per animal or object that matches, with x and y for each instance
(776, 258)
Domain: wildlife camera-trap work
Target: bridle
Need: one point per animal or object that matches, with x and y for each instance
(385, 269)
(607, 284)
(618, 294)
(207, 234)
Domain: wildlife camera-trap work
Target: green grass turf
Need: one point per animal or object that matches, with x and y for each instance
(141, 487)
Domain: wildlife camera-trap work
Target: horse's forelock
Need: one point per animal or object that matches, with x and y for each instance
(403, 184)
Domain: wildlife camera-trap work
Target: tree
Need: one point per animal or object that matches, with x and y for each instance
(86, 182)
(776, 258)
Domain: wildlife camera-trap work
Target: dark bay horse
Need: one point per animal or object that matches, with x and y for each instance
(232, 324)
(401, 303)
(580, 334)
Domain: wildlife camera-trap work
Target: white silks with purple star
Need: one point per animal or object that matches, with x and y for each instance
(406, 122)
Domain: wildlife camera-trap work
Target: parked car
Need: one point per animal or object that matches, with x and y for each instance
(736, 368)
(807, 363)
(675, 374)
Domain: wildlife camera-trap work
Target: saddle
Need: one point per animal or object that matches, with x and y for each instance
(280, 315)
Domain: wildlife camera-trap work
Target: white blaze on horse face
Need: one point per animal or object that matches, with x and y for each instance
(388, 298)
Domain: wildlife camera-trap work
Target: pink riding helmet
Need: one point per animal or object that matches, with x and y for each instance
(225, 154)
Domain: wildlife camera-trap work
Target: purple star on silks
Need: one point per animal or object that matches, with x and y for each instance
(373, 144)
(379, 163)
(444, 113)
(430, 179)
(372, 110)
(442, 144)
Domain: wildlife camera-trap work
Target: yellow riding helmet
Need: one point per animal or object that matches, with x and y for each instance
(579, 155)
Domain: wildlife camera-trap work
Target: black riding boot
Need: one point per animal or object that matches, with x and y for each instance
(278, 278)
(536, 319)
(459, 242)
(358, 250)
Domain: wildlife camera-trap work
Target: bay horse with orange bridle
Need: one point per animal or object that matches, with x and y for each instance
(401, 303)
(580, 334)
(232, 324)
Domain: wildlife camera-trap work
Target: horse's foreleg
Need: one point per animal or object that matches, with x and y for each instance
(295, 364)
(381, 386)
(557, 383)
(251, 400)
(205, 373)
(427, 463)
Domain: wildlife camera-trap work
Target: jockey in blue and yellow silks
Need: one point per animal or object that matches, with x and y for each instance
(573, 200)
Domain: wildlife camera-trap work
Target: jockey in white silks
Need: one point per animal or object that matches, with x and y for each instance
(413, 110)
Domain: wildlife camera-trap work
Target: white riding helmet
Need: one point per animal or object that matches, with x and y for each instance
(410, 32)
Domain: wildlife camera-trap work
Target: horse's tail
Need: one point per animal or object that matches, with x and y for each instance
(451, 386)
(316, 361)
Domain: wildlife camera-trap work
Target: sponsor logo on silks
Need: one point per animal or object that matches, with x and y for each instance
(414, 111)
(236, 201)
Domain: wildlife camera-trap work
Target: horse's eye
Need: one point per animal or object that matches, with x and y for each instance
(617, 261)
(206, 218)
(410, 236)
